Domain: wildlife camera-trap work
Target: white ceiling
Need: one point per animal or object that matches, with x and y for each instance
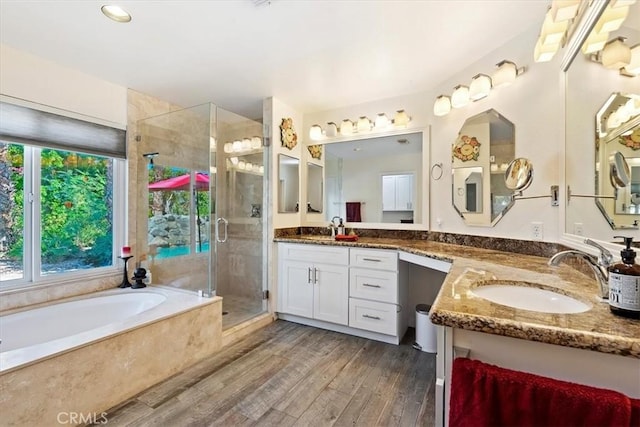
(313, 55)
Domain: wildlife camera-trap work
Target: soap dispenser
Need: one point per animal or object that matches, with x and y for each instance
(624, 283)
(341, 227)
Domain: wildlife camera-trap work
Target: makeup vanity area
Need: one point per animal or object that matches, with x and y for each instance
(369, 288)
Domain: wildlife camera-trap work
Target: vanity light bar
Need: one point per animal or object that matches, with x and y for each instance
(480, 87)
(363, 125)
(244, 144)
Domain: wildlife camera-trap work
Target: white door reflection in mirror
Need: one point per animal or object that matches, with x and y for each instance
(480, 156)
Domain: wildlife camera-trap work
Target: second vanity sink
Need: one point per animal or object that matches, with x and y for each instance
(529, 296)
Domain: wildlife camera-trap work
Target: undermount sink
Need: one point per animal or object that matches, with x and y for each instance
(529, 296)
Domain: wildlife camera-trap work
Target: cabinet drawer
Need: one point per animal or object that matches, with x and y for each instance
(373, 284)
(314, 253)
(373, 316)
(371, 258)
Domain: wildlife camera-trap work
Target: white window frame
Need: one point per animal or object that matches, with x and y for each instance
(32, 230)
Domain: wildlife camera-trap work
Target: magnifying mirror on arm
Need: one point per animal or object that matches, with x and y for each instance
(519, 176)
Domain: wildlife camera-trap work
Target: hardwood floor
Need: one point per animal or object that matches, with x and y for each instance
(293, 375)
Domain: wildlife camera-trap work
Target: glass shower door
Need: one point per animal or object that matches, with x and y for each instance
(239, 267)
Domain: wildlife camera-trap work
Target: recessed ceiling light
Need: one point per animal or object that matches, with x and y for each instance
(115, 13)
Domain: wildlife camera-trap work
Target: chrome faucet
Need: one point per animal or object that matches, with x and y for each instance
(599, 265)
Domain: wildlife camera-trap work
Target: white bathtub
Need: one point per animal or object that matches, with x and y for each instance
(31, 335)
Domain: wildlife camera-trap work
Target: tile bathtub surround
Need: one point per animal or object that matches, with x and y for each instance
(456, 306)
(96, 377)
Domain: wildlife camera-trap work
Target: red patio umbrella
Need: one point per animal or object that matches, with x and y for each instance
(182, 183)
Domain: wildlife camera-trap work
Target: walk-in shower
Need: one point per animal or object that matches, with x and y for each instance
(200, 219)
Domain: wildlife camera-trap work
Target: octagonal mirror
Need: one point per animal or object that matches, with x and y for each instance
(617, 157)
(481, 154)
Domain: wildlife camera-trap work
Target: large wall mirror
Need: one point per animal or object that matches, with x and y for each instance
(618, 140)
(480, 157)
(375, 181)
(602, 118)
(288, 184)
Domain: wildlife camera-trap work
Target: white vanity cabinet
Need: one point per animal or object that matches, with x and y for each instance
(314, 282)
(349, 290)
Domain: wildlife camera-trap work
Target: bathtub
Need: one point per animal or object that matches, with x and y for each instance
(53, 322)
(52, 356)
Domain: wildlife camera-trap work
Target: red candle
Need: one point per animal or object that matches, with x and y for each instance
(126, 251)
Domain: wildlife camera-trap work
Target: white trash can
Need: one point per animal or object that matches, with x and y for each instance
(426, 339)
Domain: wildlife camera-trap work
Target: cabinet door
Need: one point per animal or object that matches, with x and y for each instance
(296, 288)
(389, 193)
(404, 192)
(331, 294)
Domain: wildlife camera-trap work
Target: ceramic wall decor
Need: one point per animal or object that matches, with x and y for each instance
(315, 151)
(466, 148)
(288, 134)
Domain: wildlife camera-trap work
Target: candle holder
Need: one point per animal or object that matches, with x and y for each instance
(125, 281)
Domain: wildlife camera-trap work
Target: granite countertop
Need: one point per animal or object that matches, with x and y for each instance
(456, 306)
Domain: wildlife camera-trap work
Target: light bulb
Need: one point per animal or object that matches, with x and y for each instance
(332, 130)
(460, 96)
(364, 124)
(616, 54)
(480, 87)
(346, 128)
(401, 118)
(315, 132)
(382, 121)
(505, 74)
(544, 53)
(256, 142)
(442, 106)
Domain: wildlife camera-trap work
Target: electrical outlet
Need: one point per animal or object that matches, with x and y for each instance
(536, 231)
(578, 229)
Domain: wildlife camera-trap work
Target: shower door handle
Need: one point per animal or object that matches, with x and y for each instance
(226, 226)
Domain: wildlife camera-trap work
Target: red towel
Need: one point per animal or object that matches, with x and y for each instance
(487, 395)
(635, 412)
(353, 212)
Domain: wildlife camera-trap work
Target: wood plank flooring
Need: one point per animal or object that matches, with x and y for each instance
(293, 375)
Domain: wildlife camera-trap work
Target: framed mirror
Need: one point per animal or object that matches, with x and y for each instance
(354, 168)
(288, 184)
(378, 181)
(481, 154)
(315, 185)
(617, 157)
(593, 93)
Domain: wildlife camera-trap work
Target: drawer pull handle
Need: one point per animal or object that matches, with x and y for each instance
(371, 286)
(372, 259)
(309, 275)
(371, 317)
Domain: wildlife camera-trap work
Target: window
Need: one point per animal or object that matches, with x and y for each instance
(61, 185)
(57, 206)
